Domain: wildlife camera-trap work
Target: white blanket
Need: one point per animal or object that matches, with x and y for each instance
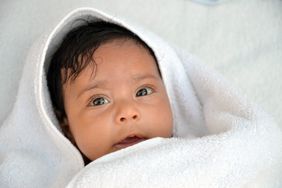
(243, 148)
(221, 140)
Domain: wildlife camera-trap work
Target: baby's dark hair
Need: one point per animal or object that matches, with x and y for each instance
(75, 53)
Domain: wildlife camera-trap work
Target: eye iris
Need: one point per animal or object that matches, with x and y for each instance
(143, 92)
(99, 101)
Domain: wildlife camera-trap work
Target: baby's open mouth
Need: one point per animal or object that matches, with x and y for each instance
(129, 141)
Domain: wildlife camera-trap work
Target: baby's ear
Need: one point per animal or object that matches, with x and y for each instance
(66, 129)
(64, 121)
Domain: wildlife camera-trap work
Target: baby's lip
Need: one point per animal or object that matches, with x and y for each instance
(129, 141)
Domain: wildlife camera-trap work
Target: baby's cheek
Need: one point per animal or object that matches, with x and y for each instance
(161, 123)
(167, 121)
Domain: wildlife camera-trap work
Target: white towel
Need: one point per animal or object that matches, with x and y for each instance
(221, 140)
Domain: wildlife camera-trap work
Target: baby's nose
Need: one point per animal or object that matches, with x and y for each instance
(127, 112)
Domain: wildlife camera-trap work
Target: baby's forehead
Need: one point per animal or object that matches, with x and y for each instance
(79, 44)
(109, 53)
(119, 60)
(122, 54)
(122, 46)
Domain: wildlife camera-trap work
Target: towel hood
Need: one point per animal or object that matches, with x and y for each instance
(40, 149)
(167, 60)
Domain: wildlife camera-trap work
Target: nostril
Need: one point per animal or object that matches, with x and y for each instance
(134, 117)
(123, 119)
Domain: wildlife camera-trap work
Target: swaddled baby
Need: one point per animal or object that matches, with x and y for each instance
(107, 90)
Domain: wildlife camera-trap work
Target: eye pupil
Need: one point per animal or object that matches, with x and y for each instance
(99, 101)
(143, 92)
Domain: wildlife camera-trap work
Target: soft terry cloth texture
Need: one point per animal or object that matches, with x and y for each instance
(221, 139)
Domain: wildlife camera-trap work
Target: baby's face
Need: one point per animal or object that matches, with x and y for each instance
(121, 103)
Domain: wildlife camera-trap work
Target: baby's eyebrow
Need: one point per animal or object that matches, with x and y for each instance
(144, 76)
(94, 85)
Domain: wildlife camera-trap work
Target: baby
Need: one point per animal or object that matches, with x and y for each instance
(107, 91)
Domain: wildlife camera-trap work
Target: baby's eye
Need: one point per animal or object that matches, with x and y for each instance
(99, 101)
(144, 91)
